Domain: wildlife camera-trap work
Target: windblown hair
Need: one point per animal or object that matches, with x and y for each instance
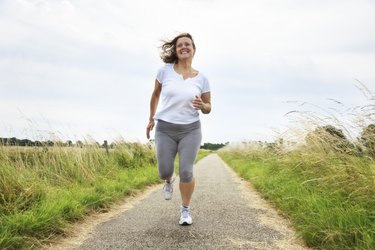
(168, 53)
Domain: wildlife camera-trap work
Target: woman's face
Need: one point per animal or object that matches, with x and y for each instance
(184, 48)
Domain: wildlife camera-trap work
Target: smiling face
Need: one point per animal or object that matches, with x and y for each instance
(184, 48)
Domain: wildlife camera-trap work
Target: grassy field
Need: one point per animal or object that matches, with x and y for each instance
(328, 195)
(42, 190)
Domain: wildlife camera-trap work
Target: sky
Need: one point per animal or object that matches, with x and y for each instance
(86, 69)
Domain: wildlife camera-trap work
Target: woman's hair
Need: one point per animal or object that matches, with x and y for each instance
(168, 53)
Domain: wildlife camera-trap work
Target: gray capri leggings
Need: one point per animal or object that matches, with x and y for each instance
(171, 138)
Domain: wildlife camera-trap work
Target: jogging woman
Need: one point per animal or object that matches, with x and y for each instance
(183, 91)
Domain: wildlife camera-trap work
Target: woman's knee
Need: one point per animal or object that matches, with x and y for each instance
(165, 173)
(186, 175)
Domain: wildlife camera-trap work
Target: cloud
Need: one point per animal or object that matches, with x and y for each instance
(90, 66)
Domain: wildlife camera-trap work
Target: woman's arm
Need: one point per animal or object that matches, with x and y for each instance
(203, 103)
(153, 106)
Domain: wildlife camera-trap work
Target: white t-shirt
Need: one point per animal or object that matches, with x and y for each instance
(177, 95)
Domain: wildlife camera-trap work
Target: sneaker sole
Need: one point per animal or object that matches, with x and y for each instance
(185, 224)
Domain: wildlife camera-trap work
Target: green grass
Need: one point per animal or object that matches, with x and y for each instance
(41, 192)
(203, 153)
(330, 198)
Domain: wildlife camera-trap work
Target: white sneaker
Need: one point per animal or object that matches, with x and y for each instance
(168, 189)
(185, 218)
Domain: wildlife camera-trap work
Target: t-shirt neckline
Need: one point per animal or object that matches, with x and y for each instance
(180, 75)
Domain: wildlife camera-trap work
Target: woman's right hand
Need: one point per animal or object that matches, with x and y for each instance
(150, 126)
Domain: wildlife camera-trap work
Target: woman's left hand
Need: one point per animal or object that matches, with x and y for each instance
(198, 103)
(150, 126)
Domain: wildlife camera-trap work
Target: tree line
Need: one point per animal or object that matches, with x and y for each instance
(331, 137)
(13, 141)
(213, 146)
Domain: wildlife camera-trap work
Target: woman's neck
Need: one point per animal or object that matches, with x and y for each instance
(184, 65)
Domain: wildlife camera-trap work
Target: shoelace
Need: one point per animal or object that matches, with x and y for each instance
(185, 213)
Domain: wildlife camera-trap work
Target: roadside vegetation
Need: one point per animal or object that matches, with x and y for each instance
(324, 182)
(46, 187)
(329, 198)
(43, 189)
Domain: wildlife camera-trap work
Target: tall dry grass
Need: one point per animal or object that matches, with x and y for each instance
(320, 173)
(42, 190)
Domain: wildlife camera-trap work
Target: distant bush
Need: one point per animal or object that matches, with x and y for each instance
(329, 138)
(213, 146)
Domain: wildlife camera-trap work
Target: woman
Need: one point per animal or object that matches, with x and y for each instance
(184, 91)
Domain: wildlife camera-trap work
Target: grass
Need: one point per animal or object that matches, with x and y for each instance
(329, 197)
(42, 191)
(203, 153)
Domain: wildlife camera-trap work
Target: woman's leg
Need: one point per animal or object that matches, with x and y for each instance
(186, 190)
(188, 149)
(166, 150)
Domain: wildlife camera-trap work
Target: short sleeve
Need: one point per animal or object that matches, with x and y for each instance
(160, 75)
(206, 86)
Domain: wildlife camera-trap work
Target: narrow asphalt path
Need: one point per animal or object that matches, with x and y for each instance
(227, 214)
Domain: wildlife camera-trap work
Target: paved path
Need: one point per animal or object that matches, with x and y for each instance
(227, 214)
